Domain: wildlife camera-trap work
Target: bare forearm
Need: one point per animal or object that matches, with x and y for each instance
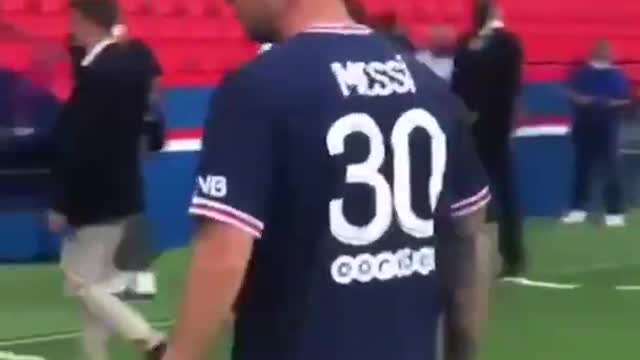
(211, 291)
(468, 310)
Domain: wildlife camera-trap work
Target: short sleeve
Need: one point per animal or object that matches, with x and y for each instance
(466, 185)
(234, 180)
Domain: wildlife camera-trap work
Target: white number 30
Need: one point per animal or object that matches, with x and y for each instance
(367, 172)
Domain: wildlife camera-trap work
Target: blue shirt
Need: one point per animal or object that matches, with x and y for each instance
(603, 83)
(337, 154)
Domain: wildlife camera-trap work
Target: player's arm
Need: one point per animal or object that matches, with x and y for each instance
(231, 201)
(470, 266)
(470, 298)
(220, 256)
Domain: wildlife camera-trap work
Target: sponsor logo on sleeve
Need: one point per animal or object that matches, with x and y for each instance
(213, 186)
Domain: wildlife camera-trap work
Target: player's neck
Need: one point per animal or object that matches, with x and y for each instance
(305, 17)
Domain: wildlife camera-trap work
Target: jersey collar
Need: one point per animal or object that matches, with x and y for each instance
(96, 50)
(343, 29)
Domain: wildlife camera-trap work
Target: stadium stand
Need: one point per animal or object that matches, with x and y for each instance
(199, 41)
(553, 32)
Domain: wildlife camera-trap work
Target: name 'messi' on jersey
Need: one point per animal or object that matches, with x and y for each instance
(375, 78)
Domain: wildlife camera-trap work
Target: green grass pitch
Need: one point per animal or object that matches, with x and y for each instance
(527, 323)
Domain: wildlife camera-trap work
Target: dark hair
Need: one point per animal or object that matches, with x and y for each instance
(103, 13)
(483, 10)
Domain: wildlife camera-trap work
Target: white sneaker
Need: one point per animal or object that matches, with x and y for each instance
(575, 217)
(614, 220)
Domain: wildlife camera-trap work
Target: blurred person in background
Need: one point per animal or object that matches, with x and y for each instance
(440, 52)
(98, 197)
(487, 75)
(388, 25)
(598, 91)
(142, 284)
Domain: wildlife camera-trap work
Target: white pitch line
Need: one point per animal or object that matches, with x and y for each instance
(628, 287)
(549, 285)
(65, 336)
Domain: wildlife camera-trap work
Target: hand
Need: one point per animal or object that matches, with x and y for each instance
(57, 222)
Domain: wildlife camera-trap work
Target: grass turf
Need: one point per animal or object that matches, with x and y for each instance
(527, 323)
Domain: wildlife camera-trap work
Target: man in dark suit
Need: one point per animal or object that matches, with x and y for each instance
(487, 75)
(98, 195)
(142, 284)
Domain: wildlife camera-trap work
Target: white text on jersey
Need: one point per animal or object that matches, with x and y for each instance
(385, 266)
(374, 78)
(213, 186)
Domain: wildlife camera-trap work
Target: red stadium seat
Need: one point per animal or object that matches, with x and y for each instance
(199, 40)
(418, 11)
(46, 26)
(167, 7)
(52, 6)
(222, 8)
(174, 27)
(135, 6)
(633, 71)
(14, 5)
(452, 10)
(15, 55)
(199, 8)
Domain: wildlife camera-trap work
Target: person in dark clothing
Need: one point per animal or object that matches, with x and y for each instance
(598, 92)
(153, 131)
(98, 195)
(487, 75)
(142, 284)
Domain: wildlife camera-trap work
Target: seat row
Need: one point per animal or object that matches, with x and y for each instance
(158, 7)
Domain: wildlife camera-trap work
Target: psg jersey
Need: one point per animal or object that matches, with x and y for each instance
(339, 155)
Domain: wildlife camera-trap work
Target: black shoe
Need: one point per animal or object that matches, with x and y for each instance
(158, 352)
(130, 295)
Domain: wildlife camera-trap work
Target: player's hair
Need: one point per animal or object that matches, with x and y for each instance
(104, 13)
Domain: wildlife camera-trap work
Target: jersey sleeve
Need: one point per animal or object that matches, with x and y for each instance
(466, 181)
(234, 179)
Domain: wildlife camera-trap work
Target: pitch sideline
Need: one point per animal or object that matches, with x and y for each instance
(522, 281)
(63, 336)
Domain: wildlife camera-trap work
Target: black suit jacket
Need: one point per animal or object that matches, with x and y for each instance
(97, 172)
(488, 76)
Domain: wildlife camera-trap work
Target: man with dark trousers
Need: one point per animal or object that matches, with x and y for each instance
(599, 93)
(487, 75)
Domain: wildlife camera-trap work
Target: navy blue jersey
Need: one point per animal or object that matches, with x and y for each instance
(337, 153)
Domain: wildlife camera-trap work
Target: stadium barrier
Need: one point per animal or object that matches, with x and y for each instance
(543, 162)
